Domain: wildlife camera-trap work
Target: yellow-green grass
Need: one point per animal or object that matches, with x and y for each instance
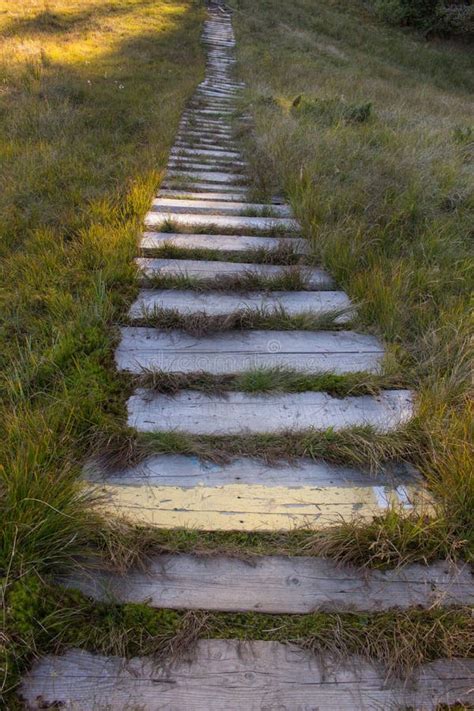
(385, 195)
(90, 99)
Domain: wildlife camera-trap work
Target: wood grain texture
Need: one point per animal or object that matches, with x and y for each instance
(221, 243)
(202, 269)
(227, 675)
(183, 194)
(155, 219)
(224, 303)
(207, 176)
(276, 584)
(212, 206)
(241, 507)
(238, 352)
(197, 413)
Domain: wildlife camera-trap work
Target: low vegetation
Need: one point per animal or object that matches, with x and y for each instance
(400, 640)
(367, 128)
(90, 100)
(368, 131)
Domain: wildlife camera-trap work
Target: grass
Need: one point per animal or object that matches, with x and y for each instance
(285, 253)
(399, 640)
(293, 278)
(271, 229)
(384, 195)
(270, 380)
(200, 323)
(355, 446)
(90, 100)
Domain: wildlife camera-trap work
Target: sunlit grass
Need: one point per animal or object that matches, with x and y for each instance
(386, 202)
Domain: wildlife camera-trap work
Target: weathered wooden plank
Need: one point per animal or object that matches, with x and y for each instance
(207, 176)
(207, 152)
(239, 352)
(247, 495)
(222, 303)
(229, 675)
(205, 206)
(276, 584)
(237, 222)
(187, 472)
(197, 413)
(222, 243)
(200, 269)
(217, 196)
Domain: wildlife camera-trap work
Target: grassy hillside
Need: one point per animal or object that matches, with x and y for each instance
(376, 157)
(90, 97)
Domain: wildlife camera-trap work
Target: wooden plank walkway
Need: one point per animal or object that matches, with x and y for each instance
(206, 184)
(228, 675)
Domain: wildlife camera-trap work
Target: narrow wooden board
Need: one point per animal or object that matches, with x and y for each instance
(230, 675)
(241, 413)
(239, 352)
(222, 303)
(207, 176)
(277, 585)
(217, 196)
(256, 507)
(247, 495)
(207, 152)
(315, 278)
(204, 206)
(239, 223)
(232, 244)
(187, 472)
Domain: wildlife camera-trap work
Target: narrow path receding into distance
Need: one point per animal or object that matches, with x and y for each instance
(202, 229)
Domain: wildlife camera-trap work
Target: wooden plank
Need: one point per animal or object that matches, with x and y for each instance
(205, 206)
(277, 585)
(155, 219)
(230, 675)
(222, 303)
(221, 243)
(187, 472)
(241, 413)
(239, 352)
(247, 495)
(200, 269)
(207, 152)
(217, 196)
(207, 176)
(241, 507)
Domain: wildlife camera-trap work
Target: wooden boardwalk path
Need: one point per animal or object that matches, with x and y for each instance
(203, 205)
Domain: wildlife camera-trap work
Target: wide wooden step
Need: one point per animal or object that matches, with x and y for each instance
(276, 584)
(241, 413)
(202, 270)
(211, 303)
(206, 207)
(238, 352)
(230, 675)
(230, 244)
(168, 491)
(156, 217)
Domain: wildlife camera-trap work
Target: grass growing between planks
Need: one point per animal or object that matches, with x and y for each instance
(199, 323)
(90, 99)
(400, 640)
(269, 380)
(285, 253)
(368, 131)
(288, 279)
